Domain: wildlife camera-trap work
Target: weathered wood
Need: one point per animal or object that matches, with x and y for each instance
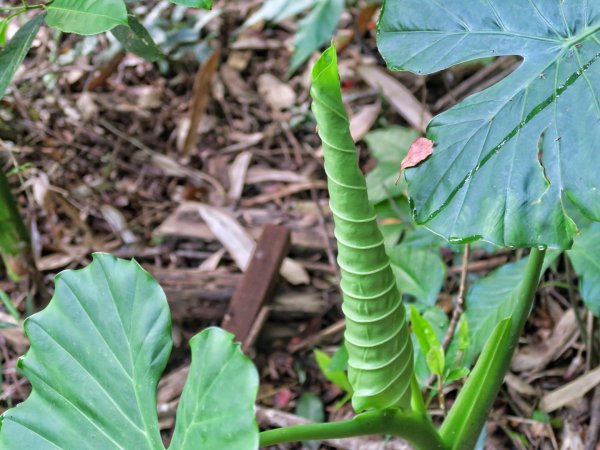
(258, 281)
(197, 295)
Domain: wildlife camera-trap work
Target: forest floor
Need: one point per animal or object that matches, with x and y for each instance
(104, 159)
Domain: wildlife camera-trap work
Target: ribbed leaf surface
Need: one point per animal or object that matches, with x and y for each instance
(380, 352)
(508, 159)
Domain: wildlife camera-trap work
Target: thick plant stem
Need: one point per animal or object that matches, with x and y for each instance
(14, 238)
(469, 413)
(415, 428)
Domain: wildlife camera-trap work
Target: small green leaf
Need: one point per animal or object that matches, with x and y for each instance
(15, 51)
(3, 29)
(339, 360)
(315, 30)
(428, 342)
(9, 305)
(456, 374)
(420, 272)
(86, 16)
(584, 256)
(204, 4)
(136, 39)
(337, 377)
(310, 407)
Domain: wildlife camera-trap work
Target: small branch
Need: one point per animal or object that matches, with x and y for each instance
(416, 428)
(460, 299)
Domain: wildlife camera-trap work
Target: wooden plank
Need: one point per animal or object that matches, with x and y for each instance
(258, 282)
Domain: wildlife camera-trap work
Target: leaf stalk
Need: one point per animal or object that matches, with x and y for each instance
(414, 427)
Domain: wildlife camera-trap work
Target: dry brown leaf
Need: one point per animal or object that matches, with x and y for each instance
(261, 174)
(536, 357)
(570, 391)
(362, 122)
(397, 95)
(418, 152)
(237, 174)
(275, 93)
(202, 92)
(240, 244)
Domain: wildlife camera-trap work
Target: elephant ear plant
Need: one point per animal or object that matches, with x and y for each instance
(512, 165)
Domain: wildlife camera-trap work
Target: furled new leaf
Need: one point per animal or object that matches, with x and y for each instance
(506, 160)
(377, 338)
(97, 352)
(15, 51)
(86, 16)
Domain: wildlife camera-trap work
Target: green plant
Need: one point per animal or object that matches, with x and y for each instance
(498, 172)
(96, 354)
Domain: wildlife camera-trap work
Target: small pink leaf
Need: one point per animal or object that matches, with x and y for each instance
(418, 152)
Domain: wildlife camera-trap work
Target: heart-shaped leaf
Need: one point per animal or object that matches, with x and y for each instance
(97, 352)
(86, 16)
(508, 159)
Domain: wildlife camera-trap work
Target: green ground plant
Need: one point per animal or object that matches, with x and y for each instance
(514, 165)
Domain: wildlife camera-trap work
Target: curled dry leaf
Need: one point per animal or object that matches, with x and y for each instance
(418, 152)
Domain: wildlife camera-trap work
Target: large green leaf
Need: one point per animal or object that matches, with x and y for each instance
(86, 16)
(97, 352)
(492, 299)
(420, 271)
(315, 30)
(585, 258)
(506, 160)
(377, 338)
(15, 51)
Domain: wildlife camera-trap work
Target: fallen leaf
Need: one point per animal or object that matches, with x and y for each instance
(418, 152)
